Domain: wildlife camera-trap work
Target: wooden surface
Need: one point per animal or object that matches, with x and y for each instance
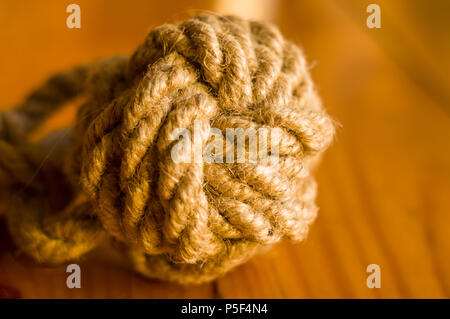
(384, 186)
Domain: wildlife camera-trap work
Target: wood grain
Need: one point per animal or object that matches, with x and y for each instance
(383, 186)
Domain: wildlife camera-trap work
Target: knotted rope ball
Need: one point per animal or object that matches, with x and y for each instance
(113, 173)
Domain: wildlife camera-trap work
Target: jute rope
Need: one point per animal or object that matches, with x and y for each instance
(113, 174)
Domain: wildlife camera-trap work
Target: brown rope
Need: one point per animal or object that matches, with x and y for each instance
(184, 222)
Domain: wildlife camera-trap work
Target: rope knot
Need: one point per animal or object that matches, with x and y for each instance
(190, 221)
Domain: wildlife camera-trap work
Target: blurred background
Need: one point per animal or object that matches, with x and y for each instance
(384, 185)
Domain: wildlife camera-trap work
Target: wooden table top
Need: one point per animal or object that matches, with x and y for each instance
(384, 185)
